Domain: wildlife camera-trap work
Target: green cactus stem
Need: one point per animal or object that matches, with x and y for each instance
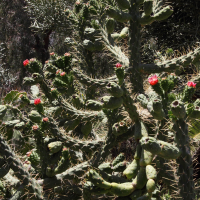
(110, 25)
(71, 125)
(86, 129)
(118, 159)
(123, 4)
(132, 169)
(124, 32)
(140, 181)
(146, 158)
(163, 13)
(54, 147)
(35, 116)
(69, 174)
(94, 105)
(140, 130)
(114, 89)
(160, 148)
(185, 172)
(20, 172)
(151, 172)
(110, 102)
(156, 109)
(178, 110)
(119, 128)
(34, 66)
(148, 7)
(143, 100)
(118, 15)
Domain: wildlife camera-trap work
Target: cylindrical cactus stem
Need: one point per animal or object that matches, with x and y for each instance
(146, 158)
(134, 46)
(188, 92)
(140, 130)
(111, 102)
(110, 25)
(185, 170)
(132, 169)
(141, 179)
(119, 128)
(148, 7)
(114, 89)
(155, 107)
(20, 172)
(94, 105)
(178, 109)
(97, 180)
(160, 148)
(123, 4)
(118, 159)
(143, 100)
(129, 105)
(163, 14)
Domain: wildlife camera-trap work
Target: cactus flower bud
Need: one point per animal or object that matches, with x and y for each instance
(45, 119)
(32, 59)
(67, 54)
(26, 62)
(58, 71)
(46, 61)
(37, 101)
(118, 65)
(153, 80)
(35, 127)
(191, 84)
(28, 153)
(62, 74)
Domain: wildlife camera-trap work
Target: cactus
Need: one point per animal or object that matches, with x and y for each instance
(73, 102)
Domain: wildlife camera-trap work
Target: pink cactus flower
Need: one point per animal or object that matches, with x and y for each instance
(153, 80)
(191, 84)
(118, 65)
(58, 71)
(62, 74)
(52, 53)
(67, 54)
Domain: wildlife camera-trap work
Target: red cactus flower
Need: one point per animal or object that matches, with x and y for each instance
(46, 61)
(35, 127)
(52, 89)
(67, 54)
(26, 62)
(118, 65)
(45, 119)
(63, 73)
(65, 149)
(153, 80)
(52, 53)
(191, 84)
(37, 101)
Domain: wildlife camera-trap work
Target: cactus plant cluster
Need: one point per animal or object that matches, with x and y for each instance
(59, 149)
